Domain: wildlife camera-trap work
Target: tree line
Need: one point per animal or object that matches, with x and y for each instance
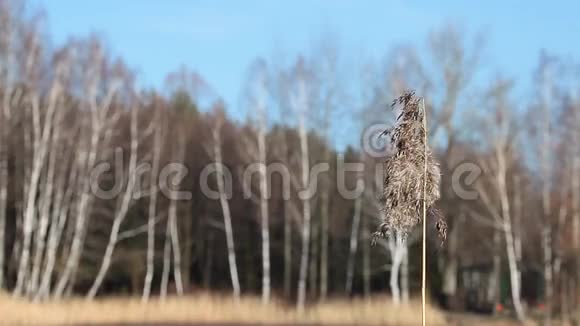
(106, 188)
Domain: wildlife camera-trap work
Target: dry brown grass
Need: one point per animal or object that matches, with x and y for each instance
(210, 309)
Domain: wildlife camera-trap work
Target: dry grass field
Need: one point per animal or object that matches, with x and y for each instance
(206, 309)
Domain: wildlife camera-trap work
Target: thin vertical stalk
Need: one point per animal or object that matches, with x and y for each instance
(217, 154)
(405, 275)
(264, 210)
(366, 259)
(424, 253)
(166, 262)
(306, 214)
(354, 231)
(287, 250)
(174, 237)
(150, 258)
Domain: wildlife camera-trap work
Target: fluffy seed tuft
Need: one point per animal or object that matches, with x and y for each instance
(404, 169)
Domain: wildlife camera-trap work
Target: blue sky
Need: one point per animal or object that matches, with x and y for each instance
(220, 38)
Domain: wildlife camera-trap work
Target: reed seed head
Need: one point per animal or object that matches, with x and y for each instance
(404, 184)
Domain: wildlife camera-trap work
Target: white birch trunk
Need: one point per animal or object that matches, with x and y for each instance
(366, 265)
(353, 245)
(45, 204)
(152, 215)
(42, 134)
(509, 240)
(7, 52)
(287, 250)
(122, 211)
(41, 232)
(166, 262)
(305, 170)
(451, 265)
(86, 164)
(546, 202)
(174, 235)
(313, 264)
(514, 274)
(330, 91)
(397, 249)
(324, 240)
(264, 213)
(548, 268)
(517, 224)
(501, 211)
(226, 212)
(58, 221)
(405, 276)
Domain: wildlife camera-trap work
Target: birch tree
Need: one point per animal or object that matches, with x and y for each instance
(545, 147)
(289, 211)
(50, 196)
(257, 92)
(214, 150)
(366, 261)
(123, 207)
(173, 231)
(299, 103)
(264, 191)
(96, 132)
(329, 92)
(152, 209)
(502, 146)
(279, 84)
(397, 247)
(454, 60)
(166, 262)
(42, 129)
(354, 234)
(65, 187)
(6, 72)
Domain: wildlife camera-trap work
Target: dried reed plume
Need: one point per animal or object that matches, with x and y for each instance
(404, 185)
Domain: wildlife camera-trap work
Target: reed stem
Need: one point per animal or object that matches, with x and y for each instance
(424, 255)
